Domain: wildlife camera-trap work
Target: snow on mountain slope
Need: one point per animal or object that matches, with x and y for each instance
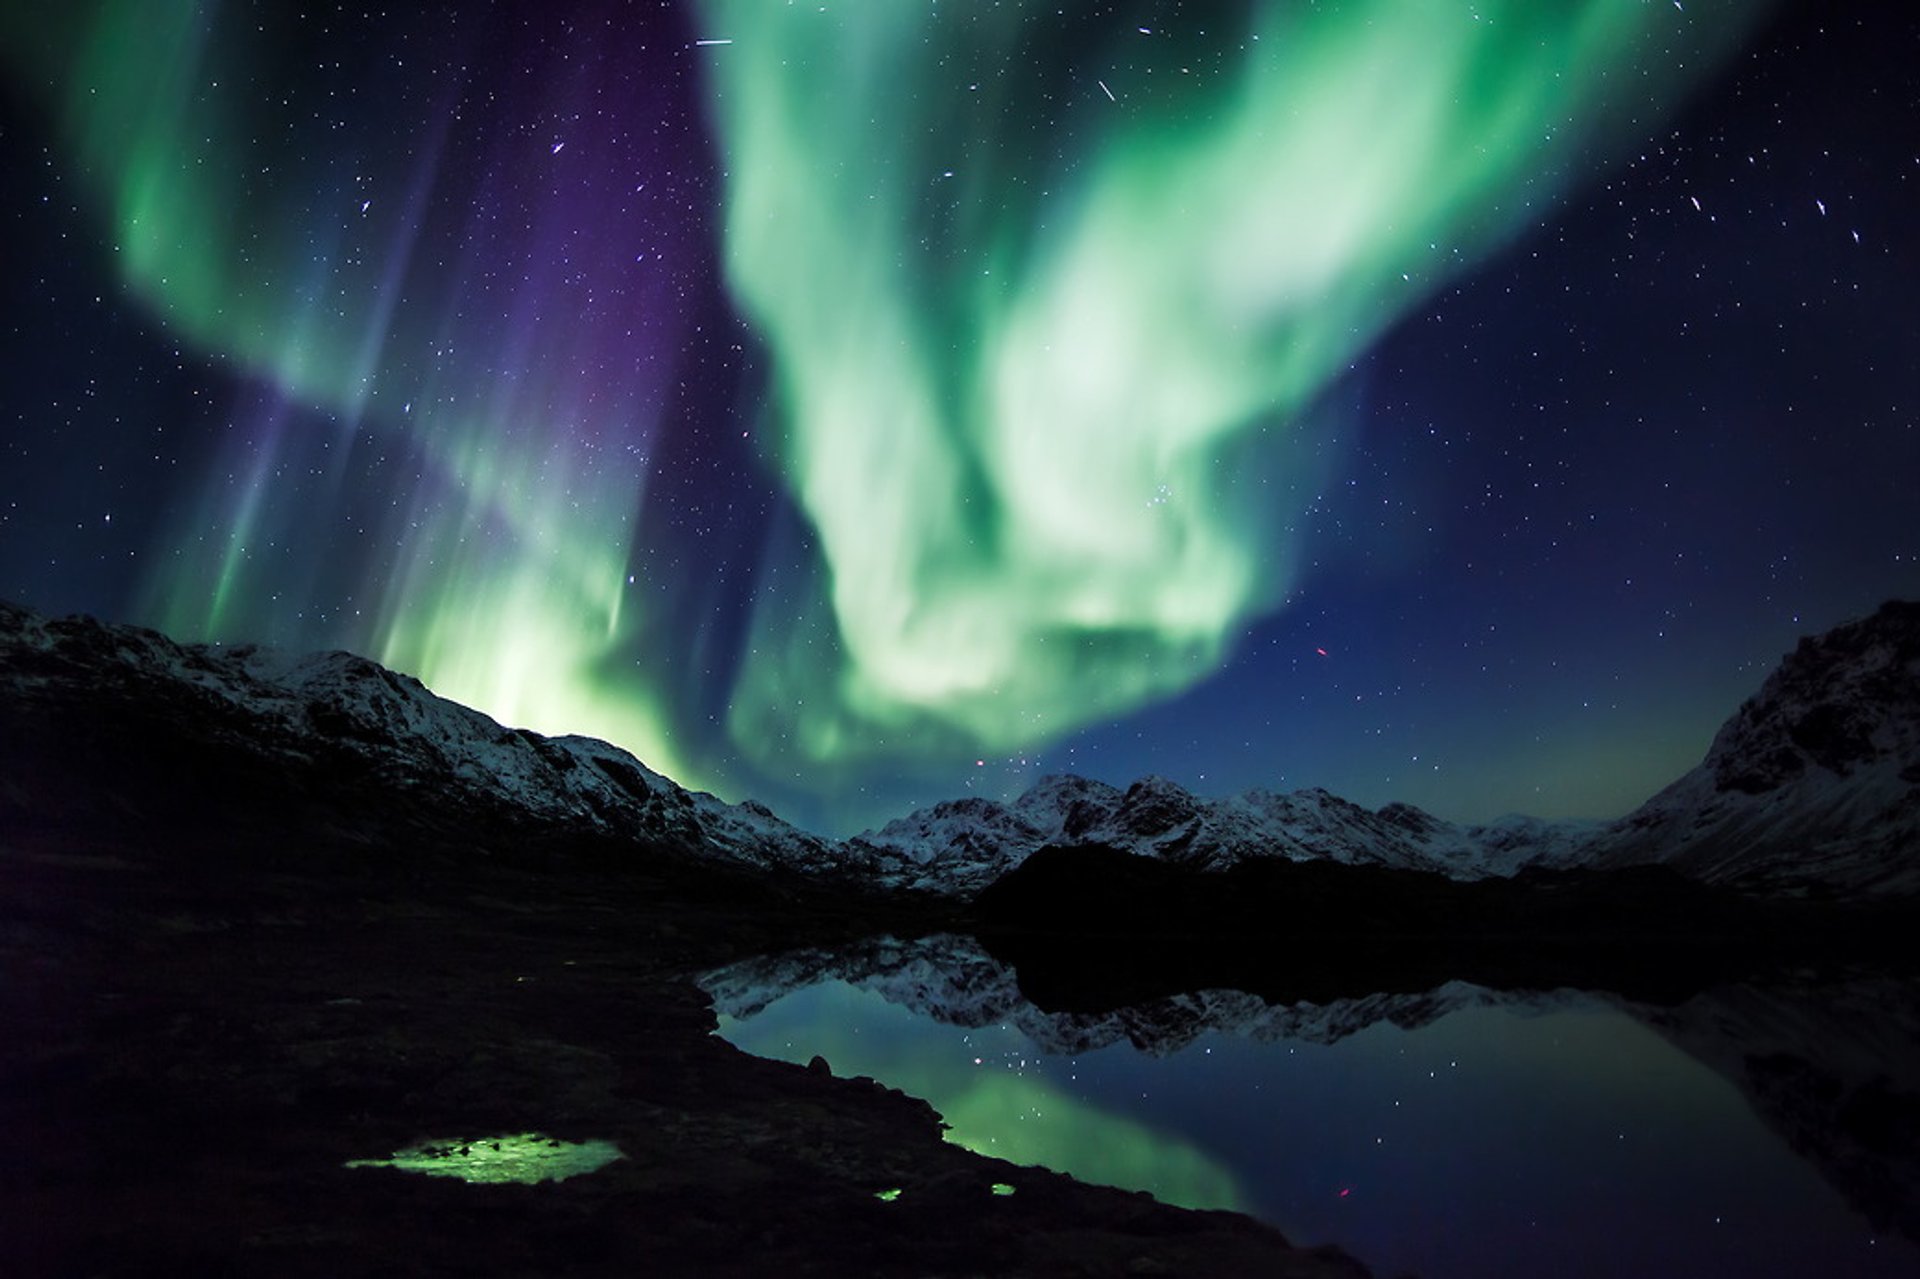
(974, 841)
(1506, 844)
(1816, 778)
(297, 707)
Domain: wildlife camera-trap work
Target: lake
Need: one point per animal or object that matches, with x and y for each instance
(1453, 1132)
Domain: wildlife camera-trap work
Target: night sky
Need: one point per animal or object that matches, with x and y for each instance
(852, 405)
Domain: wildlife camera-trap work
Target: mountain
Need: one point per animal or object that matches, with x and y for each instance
(1813, 785)
(969, 843)
(120, 725)
(1815, 780)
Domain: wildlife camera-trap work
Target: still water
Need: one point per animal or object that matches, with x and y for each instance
(1456, 1133)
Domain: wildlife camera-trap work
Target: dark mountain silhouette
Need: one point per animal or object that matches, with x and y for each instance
(1812, 786)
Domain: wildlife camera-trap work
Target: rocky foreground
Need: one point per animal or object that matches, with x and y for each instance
(196, 1051)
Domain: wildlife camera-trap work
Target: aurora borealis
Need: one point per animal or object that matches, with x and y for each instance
(1015, 390)
(847, 405)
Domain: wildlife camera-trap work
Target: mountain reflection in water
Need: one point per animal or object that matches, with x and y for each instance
(1457, 1131)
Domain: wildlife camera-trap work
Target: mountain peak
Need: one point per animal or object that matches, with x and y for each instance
(119, 723)
(1816, 777)
(1837, 702)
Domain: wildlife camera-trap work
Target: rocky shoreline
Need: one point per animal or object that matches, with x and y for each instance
(198, 1051)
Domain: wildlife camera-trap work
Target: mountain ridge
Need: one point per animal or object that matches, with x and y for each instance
(343, 723)
(974, 840)
(1815, 779)
(1812, 785)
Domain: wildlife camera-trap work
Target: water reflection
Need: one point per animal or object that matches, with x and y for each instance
(991, 1086)
(527, 1158)
(1458, 1131)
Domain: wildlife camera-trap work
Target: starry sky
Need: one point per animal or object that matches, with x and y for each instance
(854, 405)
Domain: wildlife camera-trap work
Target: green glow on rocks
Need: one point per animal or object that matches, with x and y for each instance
(527, 1159)
(1049, 298)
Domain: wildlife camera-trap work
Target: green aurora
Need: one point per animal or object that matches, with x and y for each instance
(514, 432)
(1051, 303)
(1049, 328)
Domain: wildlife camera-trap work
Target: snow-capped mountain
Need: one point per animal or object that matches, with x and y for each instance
(971, 842)
(1816, 779)
(366, 730)
(383, 735)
